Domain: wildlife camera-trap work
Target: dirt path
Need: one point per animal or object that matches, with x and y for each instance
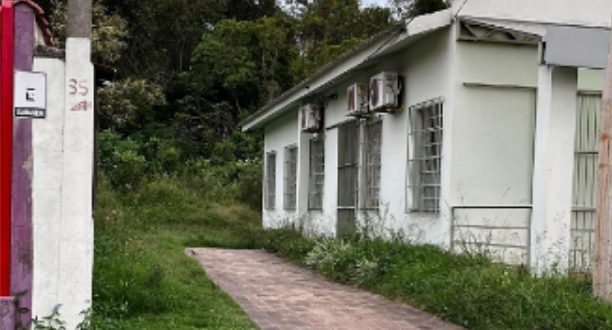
(278, 295)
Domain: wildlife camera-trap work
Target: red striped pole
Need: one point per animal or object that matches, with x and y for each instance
(6, 141)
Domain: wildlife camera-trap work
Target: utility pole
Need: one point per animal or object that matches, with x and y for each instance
(79, 19)
(602, 270)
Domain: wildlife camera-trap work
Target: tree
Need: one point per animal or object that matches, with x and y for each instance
(128, 105)
(108, 35)
(328, 28)
(164, 33)
(411, 8)
(237, 67)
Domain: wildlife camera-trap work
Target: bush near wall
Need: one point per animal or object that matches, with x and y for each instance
(470, 291)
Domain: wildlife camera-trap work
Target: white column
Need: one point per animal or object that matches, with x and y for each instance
(554, 162)
(47, 146)
(303, 170)
(76, 249)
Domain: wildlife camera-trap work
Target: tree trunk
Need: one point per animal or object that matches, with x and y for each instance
(602, 272)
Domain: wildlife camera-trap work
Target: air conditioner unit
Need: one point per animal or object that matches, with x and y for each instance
(311, 118)
(357, 100)
(385, 89)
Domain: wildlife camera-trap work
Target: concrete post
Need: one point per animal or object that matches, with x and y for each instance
(303, 171)
(602, 275)
(79, 19)
(76, 241)
(554, 161)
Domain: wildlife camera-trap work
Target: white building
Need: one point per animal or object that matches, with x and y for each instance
(492, 146)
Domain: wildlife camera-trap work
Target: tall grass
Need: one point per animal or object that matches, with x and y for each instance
(143, 280)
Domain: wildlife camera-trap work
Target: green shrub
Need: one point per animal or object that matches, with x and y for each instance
(249, 184)
(121, 160)
(467, 290)
(163, 157)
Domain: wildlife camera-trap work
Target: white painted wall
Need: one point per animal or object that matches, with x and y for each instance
(489, 92)
(493, 146)
(426, 67)
(62, 187)
(47, 149)
(282, 133)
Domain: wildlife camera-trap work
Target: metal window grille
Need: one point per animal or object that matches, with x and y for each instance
(270, 180)
(316, 174)
(290, 178)
(348, 159)
(348, 177)
(373, 142)
(425, 156)
(584, 196)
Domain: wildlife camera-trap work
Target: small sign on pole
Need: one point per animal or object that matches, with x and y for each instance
(30, 94)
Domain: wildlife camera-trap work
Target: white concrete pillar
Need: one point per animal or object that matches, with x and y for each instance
(76, 247)
(47, 148)
(303, 171)
(554, 162)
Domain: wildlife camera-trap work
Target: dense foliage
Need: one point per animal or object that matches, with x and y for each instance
(188, 72)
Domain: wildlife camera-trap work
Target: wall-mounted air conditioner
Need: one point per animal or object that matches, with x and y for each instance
(311, 118)
(357, 100)
(385, 89)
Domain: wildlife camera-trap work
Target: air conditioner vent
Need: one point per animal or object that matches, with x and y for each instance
(311, 118)
(357, 100)
(385, 90)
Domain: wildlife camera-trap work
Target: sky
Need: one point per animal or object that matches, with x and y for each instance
(374, 2)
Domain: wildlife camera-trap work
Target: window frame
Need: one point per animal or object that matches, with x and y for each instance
(316, 174)
(425, 150)
(290, 179)
(270, 181)
(372, 164)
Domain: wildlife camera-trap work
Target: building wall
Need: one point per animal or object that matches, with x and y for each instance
(426, 67)
(493, 147)
(282, 132)
(46, 186)
(489, 92)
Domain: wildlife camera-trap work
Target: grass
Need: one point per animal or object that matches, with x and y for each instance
(143, 280)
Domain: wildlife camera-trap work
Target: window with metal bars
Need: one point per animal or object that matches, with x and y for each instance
(425, 157)
(373, 142)
(270, 187)
(290, 178)
(316, 174)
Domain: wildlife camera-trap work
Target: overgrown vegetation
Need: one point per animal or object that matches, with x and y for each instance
(144, 280)
(142, 277)
(468, 290)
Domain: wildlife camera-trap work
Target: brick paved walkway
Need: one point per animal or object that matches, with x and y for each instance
(278, 295)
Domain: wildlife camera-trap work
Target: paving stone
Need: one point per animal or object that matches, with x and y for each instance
(279, 295)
